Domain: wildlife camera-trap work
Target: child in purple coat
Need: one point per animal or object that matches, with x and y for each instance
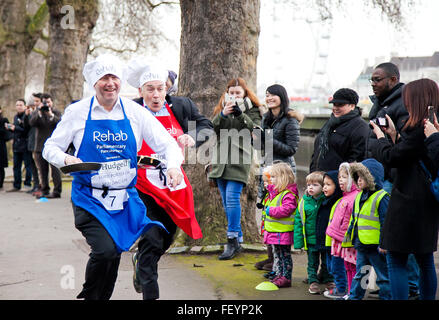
(279, 221)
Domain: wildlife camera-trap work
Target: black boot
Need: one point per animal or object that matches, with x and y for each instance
(231, 249)
(260, 264)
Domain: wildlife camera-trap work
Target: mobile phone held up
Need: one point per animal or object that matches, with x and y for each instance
(229, 98)
(431, 114)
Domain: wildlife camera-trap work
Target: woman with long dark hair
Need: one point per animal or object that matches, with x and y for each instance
(285, 123)
(411, 223)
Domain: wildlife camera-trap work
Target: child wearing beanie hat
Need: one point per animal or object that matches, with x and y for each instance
(343, 254)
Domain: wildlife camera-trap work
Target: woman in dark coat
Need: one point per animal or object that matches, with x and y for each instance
(343, 136)
(411, 223)
(285, 124)
(4, 137)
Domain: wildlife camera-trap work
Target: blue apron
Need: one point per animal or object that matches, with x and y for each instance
(109, 194)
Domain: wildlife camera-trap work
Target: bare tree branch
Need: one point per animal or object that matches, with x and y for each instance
(133, 27)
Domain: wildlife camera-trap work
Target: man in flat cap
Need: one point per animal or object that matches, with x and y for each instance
(108, 129)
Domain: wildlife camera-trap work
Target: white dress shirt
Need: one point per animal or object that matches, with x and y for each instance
(144, 125)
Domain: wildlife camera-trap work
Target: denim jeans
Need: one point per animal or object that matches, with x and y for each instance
(398, 274)
(337, 269)
(231, 196)
(366, 259)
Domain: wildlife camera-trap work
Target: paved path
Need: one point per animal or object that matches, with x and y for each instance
(43, 256)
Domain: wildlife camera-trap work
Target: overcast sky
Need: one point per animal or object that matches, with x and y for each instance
(357, 34)
(289, 44)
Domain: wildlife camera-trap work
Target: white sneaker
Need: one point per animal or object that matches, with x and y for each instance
(333, 294)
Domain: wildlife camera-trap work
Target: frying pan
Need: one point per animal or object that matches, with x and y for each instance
(81, 167)
(147, 162)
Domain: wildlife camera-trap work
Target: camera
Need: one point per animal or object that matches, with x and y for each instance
(45, 107)
(381, 122)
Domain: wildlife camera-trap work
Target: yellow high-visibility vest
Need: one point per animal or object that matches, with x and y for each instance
(283, 224)
(367, 218)
(328, 239)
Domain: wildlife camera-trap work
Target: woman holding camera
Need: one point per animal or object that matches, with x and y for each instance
(236, 114)
(411, 223)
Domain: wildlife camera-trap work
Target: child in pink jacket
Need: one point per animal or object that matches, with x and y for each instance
(339, 225)
(279, 221)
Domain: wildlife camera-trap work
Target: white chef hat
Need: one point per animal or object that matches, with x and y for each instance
(102, 65)
(138, 72)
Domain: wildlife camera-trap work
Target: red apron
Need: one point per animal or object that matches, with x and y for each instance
(178, 203)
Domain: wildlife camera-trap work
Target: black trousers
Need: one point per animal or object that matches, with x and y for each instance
(152, 245)
(35, 174)
(43, 170)
(19, 158)
(103, 264)
(2, 176)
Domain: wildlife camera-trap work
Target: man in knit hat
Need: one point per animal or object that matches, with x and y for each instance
(171, 85)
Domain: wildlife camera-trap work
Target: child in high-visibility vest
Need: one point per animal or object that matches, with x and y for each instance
(305, 229)
(333, 194)
(367, 219)
(279, 221)
(266, 264)
(337, 229)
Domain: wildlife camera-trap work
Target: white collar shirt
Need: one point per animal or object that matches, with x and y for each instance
(161, 113)
(144, 125)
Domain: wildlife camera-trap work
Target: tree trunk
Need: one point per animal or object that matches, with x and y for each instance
(70, 25)
(18, 34)
(219, 41)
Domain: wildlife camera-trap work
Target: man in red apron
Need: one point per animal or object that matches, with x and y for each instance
(110, 130)
(172, 207)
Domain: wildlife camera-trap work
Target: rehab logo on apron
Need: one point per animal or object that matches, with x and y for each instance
(109, 194)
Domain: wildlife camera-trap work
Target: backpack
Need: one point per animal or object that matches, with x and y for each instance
(434, 184)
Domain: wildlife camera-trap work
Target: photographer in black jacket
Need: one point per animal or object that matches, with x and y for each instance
(19, 147)
(44, 119)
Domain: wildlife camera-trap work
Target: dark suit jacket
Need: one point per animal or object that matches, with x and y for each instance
(44, 127)
(185, 110)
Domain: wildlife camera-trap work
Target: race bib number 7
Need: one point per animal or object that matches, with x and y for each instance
(114, 175)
